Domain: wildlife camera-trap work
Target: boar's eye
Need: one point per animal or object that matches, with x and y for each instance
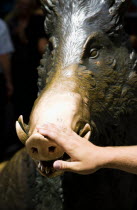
(94, 53)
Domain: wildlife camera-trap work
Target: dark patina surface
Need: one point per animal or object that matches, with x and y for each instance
(87, 82)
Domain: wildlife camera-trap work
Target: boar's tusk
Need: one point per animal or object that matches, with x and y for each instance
(20, 133)
(87, 136)
(86, 131)
(24, 126)
(22, 130)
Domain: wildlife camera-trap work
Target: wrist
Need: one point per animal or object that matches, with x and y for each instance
(105, 157)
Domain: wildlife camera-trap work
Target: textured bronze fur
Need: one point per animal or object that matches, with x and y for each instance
(111, 80)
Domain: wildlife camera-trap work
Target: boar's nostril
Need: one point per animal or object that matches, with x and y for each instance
(52, 149)
(34, 150)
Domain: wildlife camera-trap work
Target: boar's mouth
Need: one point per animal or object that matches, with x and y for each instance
(45, 168)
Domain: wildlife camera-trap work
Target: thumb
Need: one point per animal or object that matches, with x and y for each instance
(65, 166)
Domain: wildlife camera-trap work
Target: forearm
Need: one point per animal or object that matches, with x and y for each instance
(123, 158)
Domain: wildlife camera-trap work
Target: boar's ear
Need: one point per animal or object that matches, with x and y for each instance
(118, 6)
(116, 11)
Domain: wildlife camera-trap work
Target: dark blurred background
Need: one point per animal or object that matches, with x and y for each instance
(24, 20)
(22, 43)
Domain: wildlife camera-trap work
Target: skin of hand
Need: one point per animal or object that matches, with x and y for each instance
(85, 158)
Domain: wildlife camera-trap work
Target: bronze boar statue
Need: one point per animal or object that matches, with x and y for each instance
(87, 82)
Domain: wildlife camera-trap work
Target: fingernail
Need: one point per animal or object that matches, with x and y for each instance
(57, 165)
(41, 130)
(38, 127)
(41, 126)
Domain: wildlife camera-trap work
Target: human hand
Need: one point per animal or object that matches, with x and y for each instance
(85, 157)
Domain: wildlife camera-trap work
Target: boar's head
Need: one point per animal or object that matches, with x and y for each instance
(87, 77)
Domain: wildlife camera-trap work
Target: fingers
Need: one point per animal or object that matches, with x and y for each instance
(48, 133)
(65, 138)
(55, 134)
(81, 152)
(66, 166)
(76, 167)
(51, 131)
(47, 129)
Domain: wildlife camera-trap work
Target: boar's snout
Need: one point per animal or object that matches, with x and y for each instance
(40, 148)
